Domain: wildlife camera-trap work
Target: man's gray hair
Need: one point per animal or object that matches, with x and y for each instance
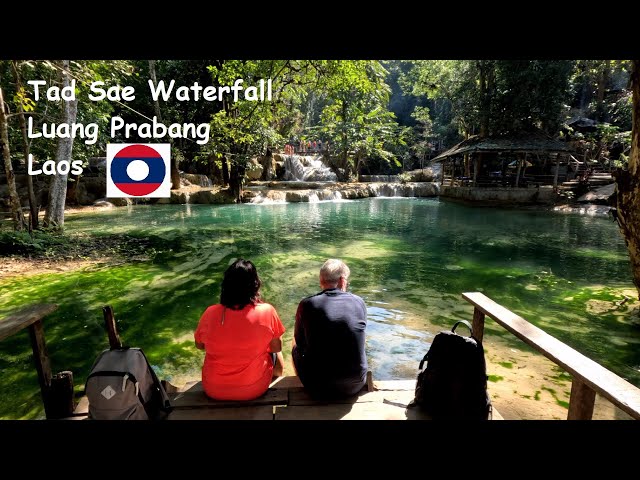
(332, 270)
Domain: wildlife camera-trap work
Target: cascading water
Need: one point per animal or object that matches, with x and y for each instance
(307, 168)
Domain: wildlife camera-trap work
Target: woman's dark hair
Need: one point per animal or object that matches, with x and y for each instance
(240, 285)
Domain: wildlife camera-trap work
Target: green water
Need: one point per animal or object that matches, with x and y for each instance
(410, 260)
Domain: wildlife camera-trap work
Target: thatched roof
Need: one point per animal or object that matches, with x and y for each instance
(524, 142)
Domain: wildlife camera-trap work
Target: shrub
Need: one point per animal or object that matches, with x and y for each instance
(404, 177)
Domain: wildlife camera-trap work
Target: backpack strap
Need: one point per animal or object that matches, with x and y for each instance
(165, 401)
(464, 322)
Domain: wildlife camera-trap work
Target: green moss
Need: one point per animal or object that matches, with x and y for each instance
(495, 378)
(506, 364)
(536, 396)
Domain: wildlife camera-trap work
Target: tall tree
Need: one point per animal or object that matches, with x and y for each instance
(14, 200)
(175, 172)
(356, 117)
(628, 185)
(54, 216)
(22, 106)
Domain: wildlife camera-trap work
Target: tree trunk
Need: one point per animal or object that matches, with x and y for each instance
(54, 216)
(225, 172)
(175, 172)
(628, 185)
(344, 176)
(33, 205)
(603, 79)
(236, 180)
(14, 200)
(487, 84)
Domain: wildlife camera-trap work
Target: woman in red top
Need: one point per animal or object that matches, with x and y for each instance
(242, 338)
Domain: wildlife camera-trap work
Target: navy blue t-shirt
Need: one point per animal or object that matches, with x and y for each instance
(330, 353)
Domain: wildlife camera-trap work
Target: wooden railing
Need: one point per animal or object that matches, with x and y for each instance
(588, 376)
(56, 390)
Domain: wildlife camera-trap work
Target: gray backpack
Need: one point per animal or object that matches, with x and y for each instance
(123, 386)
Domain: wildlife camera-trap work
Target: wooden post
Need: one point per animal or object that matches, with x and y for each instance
(518, 173)
(442, 173)
(370, 387)
(112, 329)
(61, 403)
(476, 166)
(453, 171)
(478, 324)
(555, 177)
(582, 401)
(41, 359)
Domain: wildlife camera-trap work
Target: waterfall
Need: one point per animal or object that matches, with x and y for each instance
(307, 168)
(391, 190)
(197, 179)
(272, 197)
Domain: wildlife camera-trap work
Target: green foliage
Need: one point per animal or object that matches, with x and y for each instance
(23, 243)
(404, 177)
(43, 111)
(356, 117)
(512, 95)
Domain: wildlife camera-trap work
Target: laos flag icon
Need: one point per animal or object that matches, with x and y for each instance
(140, 170)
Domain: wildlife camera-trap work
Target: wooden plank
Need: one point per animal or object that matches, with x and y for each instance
(477, 325)
(76, 417)
(43, 365)
(233, 413)
(581, 402)
(355, 411)
(23, 318)
(299, 396)
(617, 390)
(112, 329)
(394, 385)
(197, 399)
(291, 381)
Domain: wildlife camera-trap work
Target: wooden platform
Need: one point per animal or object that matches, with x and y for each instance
(286, 399)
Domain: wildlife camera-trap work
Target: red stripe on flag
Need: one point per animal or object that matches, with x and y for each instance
(137, 151)
(137, 189)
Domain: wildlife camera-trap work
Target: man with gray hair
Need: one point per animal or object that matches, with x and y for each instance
(329, 338)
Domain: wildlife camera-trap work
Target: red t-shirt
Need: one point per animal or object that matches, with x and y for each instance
(237, 363)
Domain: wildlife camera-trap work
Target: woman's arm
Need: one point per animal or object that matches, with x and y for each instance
(275, 345)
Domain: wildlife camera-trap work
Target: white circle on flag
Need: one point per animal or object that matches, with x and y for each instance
(138, 170)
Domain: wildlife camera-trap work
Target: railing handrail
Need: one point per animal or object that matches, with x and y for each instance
(588, 376)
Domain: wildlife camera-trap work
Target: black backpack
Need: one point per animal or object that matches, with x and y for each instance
(454, 383)
(123, 386)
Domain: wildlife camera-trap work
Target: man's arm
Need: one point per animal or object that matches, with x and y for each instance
(200, 346)
(299, 337)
